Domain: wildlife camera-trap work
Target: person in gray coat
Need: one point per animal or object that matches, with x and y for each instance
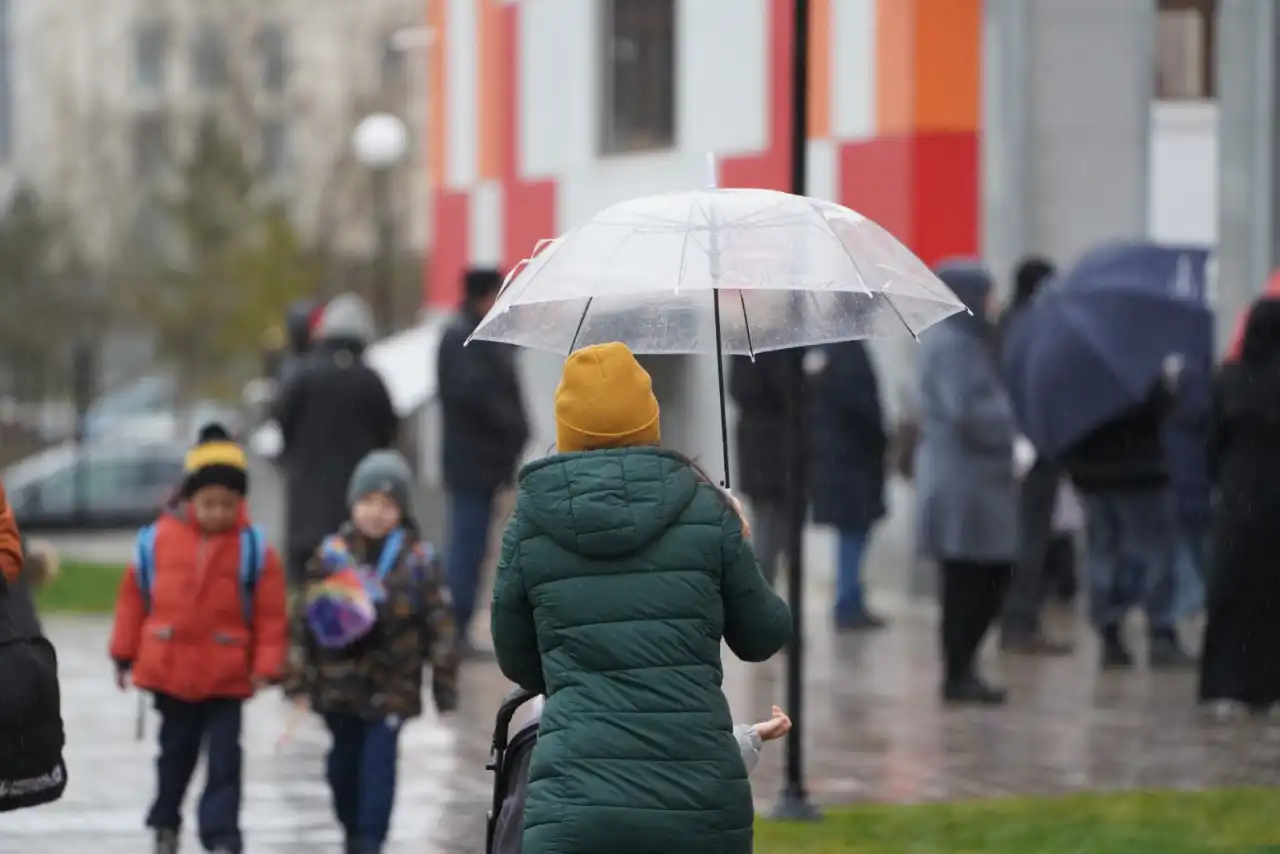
(966, 490)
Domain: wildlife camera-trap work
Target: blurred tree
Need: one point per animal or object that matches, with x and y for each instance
(237, 264)
(43, 316)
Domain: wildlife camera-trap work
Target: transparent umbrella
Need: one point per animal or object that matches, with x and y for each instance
(718, 272)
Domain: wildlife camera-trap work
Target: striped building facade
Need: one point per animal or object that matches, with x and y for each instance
(515, 111)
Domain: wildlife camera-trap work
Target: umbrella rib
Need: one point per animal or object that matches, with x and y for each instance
(581, 320)
(746, 324)
(858, 268)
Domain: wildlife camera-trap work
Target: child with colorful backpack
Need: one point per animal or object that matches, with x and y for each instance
(201, 624)
(374, 610)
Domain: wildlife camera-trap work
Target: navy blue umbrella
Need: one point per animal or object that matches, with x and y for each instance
(1092, 343)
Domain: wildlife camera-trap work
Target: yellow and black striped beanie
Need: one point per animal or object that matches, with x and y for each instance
(215, 460)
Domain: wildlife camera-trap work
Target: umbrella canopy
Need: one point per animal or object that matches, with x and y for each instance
(1092, 343)
(727, 270)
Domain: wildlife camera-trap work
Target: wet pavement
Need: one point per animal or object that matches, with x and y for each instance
(875, 732)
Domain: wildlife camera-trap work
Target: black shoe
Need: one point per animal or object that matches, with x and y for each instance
(864, 621)
(1114, 653)
(166, 841)
(972, 691)
(1167, 654)
(1034, 643)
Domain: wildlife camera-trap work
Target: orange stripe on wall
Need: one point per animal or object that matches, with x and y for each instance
(490, 74)
(928, 65)
(437, 86)
(819, 69)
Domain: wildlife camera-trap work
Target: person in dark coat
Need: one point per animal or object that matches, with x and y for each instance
(759, 388)
(32, 770)
(847, 444)
(333, 412)
(485, 431)
(1020, 629)
(1240, 664)
(1122, 475)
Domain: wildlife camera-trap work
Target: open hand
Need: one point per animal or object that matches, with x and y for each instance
(122, 679)
(776, 727)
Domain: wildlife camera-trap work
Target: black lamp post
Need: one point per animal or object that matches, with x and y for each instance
(793, 802)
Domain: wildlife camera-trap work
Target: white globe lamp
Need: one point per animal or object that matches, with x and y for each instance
(380, 141)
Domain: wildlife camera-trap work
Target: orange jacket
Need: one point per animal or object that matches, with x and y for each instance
(193, 643)
(10, 542)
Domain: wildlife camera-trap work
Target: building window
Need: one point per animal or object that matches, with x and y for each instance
(273, 48)
(1185, 49)
(209, 57)
(273, 141)
(640, 78)
(151, 154)
(150, 56)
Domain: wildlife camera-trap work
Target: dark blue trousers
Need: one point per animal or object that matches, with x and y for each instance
(470, 515)
(184, 729)
(362, 776)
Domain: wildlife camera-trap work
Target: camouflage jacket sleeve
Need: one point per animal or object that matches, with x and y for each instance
(439, 644)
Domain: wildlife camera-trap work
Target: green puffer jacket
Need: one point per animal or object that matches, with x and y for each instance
(621, 571)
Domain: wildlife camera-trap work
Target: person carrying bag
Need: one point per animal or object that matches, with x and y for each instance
(32, 770)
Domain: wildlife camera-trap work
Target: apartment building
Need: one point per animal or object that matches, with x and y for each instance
(99, 100)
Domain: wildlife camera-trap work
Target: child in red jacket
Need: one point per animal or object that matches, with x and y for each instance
(201, 624)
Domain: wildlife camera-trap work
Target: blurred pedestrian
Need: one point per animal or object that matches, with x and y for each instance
(485, 431)
(1186, 441)
(759, 388)
(847, 443)
(363, 671)
(1122, 474)
(966, 491)
(1241, 660)
(1020, 627)
(200, 623)
(332, 412)
(32, 770)
(640, 566)
(299, 322)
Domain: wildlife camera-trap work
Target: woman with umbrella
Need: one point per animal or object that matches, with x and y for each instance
(967, 494)
(1241, 661)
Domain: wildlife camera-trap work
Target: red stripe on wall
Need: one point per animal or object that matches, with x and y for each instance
(529, 208)
(923, 188)
(451, 222)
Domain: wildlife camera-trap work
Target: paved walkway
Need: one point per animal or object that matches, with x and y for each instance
(875, 732)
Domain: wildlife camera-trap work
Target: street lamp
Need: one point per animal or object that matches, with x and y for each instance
(380, 142)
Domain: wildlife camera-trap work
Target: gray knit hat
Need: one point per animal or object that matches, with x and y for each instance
(346, 318)
(382, 471)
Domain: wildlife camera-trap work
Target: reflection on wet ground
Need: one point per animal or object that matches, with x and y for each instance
(874, 732)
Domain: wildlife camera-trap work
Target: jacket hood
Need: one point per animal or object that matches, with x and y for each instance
(608, 503)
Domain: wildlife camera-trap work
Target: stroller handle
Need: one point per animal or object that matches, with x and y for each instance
(510, 705)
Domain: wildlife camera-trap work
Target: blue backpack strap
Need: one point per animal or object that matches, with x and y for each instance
(144, 563)
(253, 556)
(390, 552)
